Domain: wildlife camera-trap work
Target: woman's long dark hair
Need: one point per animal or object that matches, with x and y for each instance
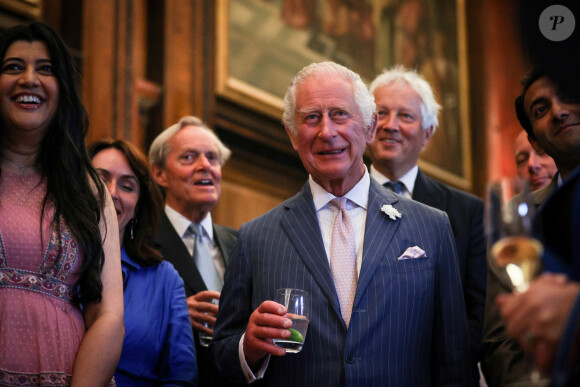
(63, 160)
(148, 208)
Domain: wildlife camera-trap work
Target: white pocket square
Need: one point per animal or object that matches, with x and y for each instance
(412, 253)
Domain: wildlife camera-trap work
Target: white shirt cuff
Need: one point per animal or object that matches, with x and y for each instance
(250, 376)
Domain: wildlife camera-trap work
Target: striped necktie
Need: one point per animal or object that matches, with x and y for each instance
(343, 258)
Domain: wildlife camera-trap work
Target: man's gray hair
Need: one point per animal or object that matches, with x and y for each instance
(159, 149)
(400, 74)
(363, 98)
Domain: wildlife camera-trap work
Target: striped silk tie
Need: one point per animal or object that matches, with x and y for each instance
(343, 258)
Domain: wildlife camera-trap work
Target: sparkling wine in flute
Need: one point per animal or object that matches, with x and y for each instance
(520, 257)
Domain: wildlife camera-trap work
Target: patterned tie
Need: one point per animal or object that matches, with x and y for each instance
(395, 186)
(204, 260)
(343, 259)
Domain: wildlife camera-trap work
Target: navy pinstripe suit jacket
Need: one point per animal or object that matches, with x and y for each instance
(408, 326)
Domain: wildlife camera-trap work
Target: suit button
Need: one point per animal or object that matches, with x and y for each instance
(350, 359)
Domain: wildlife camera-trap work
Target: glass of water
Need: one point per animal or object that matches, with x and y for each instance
(204, 338)
(297, 304)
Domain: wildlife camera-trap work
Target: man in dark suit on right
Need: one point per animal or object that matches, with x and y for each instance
(407, 112)
(549, 111)
(186, 161)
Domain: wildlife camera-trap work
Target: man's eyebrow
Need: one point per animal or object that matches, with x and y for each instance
(308, 110)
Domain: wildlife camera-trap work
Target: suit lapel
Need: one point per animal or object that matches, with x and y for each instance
(224, 240)
(539, 196)
(174, 251)
(300, 224)
(426, 192)
(379, 231)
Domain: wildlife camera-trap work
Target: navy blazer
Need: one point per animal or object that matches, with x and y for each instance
(558, 228)
(169, 243)
(465, 213)
(408, 326)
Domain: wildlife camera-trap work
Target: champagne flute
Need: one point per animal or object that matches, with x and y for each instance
(514, 253)
(510, 212)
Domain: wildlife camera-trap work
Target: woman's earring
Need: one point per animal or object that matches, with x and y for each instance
(133, 221)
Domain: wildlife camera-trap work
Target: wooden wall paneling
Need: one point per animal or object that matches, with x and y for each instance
(122, 63)
(114, 60)
(251, 187)
(28, 10)
(496, 63)
(99, 67)
(138, 87)
(182, 47)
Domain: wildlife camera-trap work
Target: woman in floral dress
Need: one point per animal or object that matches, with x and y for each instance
(61, 301)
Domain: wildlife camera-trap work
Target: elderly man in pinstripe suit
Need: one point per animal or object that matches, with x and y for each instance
(404, 323)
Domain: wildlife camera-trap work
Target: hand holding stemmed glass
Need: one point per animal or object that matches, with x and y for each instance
(514, 253)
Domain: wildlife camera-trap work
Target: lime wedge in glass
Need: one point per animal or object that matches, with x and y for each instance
(295, 336)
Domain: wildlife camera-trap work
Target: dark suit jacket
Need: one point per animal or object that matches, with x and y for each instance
(503, 363)
(169, 243)
(558, 228)
(465, 213)
(408, 326)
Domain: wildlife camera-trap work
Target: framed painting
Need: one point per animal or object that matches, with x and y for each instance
(262, 44)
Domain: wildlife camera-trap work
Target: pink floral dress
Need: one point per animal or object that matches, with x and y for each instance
(40, 328)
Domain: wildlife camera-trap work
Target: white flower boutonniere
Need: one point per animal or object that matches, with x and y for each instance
(391, 211)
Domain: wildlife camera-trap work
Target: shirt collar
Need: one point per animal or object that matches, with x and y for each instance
(181, 223)
(408, 178)
(359, 194)
(127, 260)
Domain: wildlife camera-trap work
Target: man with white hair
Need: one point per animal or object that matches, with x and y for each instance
(186, 161)
(407, 119)
(380, 271)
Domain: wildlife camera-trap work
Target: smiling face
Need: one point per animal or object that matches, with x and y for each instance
(122, 183)
(192, 174)
(555, 122)
(535, 168)
(29, 89)
(330, 136)
(400, 136)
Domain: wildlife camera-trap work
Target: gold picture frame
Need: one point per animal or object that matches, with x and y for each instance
(262, 44)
